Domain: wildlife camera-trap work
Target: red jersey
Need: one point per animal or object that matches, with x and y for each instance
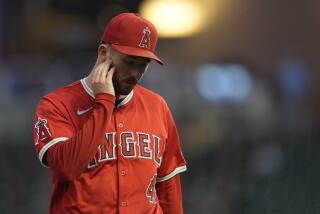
(102, 158)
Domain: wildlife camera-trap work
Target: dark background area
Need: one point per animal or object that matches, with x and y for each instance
(257, 153)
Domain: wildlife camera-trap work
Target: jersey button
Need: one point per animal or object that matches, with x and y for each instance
(123, 172)
(120, 125)
(124, 203)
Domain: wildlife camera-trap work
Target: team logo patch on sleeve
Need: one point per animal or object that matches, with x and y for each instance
(42, 130)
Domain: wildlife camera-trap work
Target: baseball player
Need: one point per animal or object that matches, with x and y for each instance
(112, 145)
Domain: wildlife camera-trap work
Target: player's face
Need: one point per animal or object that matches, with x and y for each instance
(129, 70)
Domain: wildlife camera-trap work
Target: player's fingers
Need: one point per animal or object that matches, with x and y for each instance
(100, 67)
(97, 75)
(94, 73)
(103, 71)
(110, 74)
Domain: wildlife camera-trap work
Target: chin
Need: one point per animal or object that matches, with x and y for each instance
(124, 91)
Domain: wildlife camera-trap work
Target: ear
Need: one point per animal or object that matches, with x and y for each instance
(103, 52)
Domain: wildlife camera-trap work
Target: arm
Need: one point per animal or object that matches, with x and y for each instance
(58, 145)
(70, 158)
(169, 195)
(168, 185)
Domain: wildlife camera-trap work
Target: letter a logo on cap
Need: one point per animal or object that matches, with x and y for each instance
(145, 40)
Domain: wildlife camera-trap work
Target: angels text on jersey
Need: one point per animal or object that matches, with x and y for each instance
(132, 145)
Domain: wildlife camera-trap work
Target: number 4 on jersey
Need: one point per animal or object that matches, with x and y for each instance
(151, 191)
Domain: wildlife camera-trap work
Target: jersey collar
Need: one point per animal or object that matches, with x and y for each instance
(90, 92)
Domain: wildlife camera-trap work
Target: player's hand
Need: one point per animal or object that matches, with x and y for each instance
(101, 78)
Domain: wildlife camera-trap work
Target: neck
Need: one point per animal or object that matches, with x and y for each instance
(119, 97)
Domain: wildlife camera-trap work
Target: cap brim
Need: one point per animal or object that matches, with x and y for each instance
(137, 52)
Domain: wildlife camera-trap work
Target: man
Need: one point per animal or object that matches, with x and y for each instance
(111, 145)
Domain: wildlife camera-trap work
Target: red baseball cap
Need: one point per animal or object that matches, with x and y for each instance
(133, 35)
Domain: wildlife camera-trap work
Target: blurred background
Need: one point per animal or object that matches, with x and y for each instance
(241, 78)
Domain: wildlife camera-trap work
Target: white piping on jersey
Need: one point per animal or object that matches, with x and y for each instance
(90, 92)
(86, 87)
(126, 99)
(48, 145)
(173, 173)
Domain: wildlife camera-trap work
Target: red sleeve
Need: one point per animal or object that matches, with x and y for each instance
(169, 195)
(57, 144)
(172, 161)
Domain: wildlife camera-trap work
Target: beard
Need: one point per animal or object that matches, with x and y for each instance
(123, 86)
(122, 89)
